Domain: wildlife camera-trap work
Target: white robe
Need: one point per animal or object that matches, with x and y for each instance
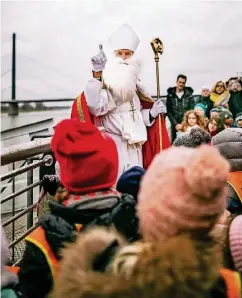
(126, 127)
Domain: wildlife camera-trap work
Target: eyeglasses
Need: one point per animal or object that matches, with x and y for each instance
(220, 86)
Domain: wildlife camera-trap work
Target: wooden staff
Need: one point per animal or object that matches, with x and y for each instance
(157, 47)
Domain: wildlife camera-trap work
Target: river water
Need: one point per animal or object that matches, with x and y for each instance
(29, 117)
(8, 122)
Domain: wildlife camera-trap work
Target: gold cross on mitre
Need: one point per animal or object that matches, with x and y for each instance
(132, 110)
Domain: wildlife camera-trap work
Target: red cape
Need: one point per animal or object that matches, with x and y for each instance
(158, 139)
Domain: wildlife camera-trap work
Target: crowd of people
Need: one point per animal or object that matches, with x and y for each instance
(103, 237)
(216, 109)
(128, 212)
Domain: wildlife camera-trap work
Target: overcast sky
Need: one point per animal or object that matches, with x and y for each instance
(55, 40)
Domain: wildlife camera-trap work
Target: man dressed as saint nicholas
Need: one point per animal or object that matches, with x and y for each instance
(116, 99)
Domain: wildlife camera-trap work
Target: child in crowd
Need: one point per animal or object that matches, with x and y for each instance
(86, 197)
(181, 216)
(200, 109)
(214, 126)
(214, 113)
(238, 120)
(192, 119)
(227, 118)
(129, 181)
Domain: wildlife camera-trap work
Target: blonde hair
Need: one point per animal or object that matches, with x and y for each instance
(200, 120)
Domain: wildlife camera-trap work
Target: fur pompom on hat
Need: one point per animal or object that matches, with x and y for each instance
(158, 271)
(184, 189)
(194, 138)
(164, 264)
(83, 261)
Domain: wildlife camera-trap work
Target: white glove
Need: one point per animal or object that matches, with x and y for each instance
(99, 60)
(158, 108)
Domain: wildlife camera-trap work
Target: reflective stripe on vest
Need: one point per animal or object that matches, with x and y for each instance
(13, 269)
(37, 237)
(232, 282)
(235, 180)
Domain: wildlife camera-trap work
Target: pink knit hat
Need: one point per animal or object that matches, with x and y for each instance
(235, 240)
(184, 189)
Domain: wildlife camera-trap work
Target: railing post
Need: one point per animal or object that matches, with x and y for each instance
(30, 193)
(13, 213)
(13, 106)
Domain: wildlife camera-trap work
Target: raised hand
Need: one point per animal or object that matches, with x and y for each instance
(99, 60)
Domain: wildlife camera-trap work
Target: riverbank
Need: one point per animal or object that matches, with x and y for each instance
(36, 107)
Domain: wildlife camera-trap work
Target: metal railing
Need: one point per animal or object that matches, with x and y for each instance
(31, 152)
(23, 151)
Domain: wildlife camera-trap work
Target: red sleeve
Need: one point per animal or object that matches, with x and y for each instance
(157, 138)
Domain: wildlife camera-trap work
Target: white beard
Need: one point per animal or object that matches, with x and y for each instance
(121, 76)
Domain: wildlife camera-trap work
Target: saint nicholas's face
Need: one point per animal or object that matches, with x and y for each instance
(124, 54)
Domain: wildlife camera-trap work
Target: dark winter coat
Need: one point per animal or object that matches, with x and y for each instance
(59, 227)
(235, 103)
(177, 107)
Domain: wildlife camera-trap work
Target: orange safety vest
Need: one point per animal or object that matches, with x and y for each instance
(13, 269)
(232, 282)
(235, 180)
(37, 237)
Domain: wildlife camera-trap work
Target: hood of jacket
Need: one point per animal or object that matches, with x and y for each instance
(187, 90)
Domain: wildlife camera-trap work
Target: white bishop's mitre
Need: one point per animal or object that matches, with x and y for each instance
(124, 38)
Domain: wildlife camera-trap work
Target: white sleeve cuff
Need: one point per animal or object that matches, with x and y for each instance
(146, 117)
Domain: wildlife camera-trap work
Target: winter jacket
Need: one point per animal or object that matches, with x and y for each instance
(59, 227)
(229, 143)
(177, 107)
(235, 103)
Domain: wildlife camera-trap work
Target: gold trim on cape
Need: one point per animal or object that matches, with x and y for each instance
(79, 108)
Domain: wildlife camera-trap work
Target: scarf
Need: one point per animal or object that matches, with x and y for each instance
(220, 99)
(96, 200)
